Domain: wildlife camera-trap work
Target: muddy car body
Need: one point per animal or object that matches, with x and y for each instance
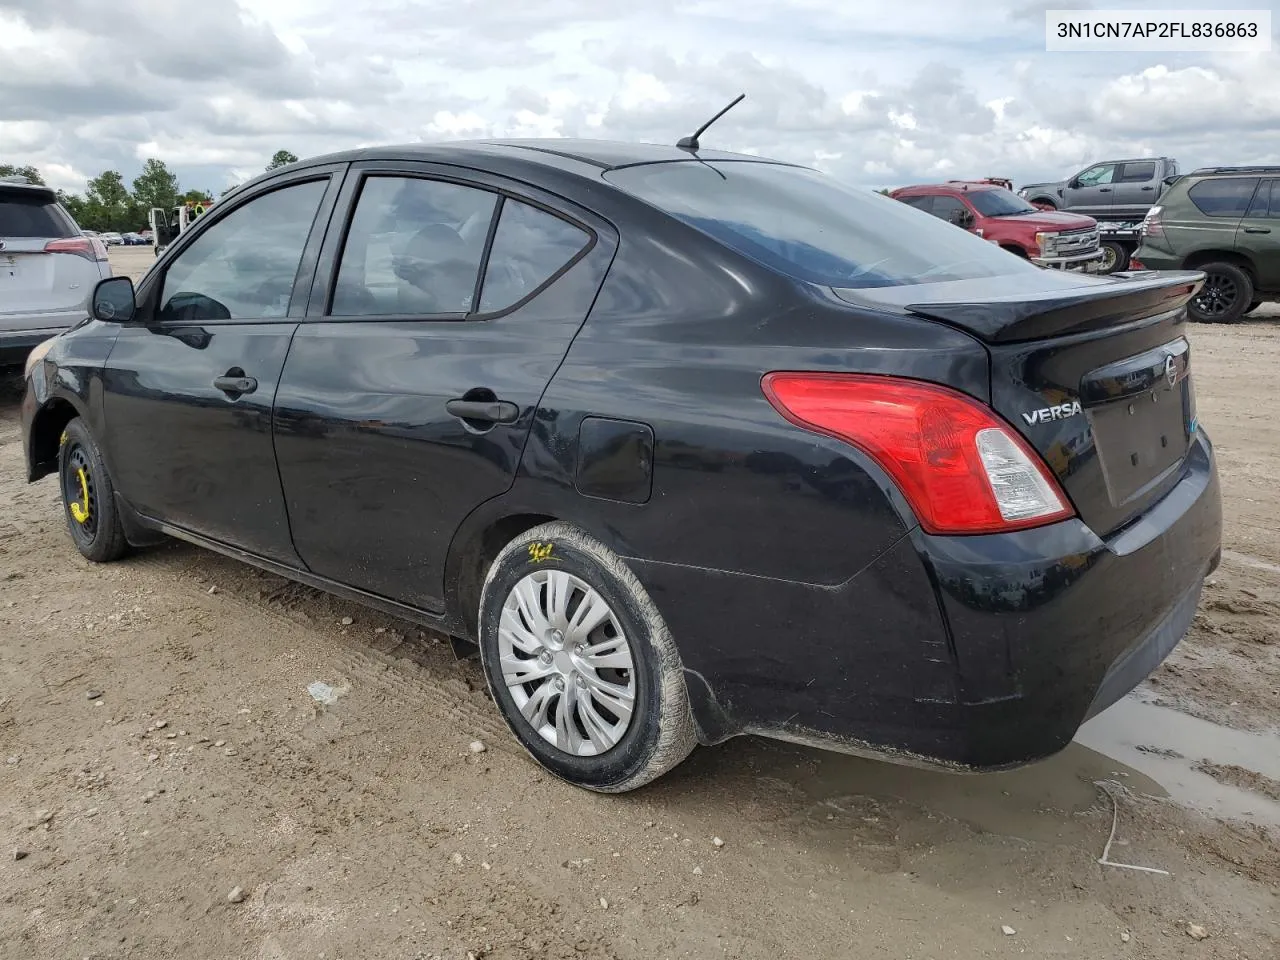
(702, 454)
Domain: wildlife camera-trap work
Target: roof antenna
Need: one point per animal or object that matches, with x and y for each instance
(691, 143)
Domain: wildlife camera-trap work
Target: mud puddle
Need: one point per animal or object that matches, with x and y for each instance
(1219, 771)
(1149, 749)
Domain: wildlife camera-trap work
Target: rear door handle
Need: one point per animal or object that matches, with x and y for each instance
(1148, 188)
(1257, 229)
(1104, 189)
(236, 385)
(488, 411)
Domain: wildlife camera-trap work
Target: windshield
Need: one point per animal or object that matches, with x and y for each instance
(999, 203)
(812, 227)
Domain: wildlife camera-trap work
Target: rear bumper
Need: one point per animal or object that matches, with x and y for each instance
(17, 338)
(980, 652)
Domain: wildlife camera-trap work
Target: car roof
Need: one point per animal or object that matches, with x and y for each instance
(14, 184)
(952, 186)
(548, 151)
(583, 157)
(1234, 171)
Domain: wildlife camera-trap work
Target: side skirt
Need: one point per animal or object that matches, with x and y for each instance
(149, 527)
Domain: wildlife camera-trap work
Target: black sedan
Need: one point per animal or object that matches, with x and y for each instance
(692, 444)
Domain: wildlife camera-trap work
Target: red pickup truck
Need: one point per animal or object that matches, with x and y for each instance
(996, 213)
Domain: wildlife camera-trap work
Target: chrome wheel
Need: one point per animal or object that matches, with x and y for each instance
(567, 663)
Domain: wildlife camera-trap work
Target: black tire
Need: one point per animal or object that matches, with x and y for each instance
(1044, 204)
(88, 496)
(1225, 296)
(660, 733)
(1114, 257)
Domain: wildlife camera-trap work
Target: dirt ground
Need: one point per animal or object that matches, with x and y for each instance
(158, 748)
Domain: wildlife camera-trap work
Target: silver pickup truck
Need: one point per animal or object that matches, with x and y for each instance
(1112, 190)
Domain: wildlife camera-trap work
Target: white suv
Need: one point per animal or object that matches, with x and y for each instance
(48, 269)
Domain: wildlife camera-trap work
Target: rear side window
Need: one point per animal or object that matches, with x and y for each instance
(1225, 197)
(948, 208)
(920, 203)
(1138, 171)
(29, 214)
(812, 227)
(529, 248)
(414, 248)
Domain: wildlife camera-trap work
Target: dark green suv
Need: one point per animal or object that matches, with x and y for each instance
(1226, 222)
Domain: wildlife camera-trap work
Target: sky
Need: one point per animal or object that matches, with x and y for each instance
(880, 93)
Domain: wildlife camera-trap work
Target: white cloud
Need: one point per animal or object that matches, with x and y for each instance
(879, 92)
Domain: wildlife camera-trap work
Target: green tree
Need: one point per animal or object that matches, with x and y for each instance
(282, 158)
(196, 196)
(30, 172)
(155, 186)
(108, 203)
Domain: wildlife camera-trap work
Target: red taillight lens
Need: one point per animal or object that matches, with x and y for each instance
(1136, 264)
(91, 248)
(962, 469)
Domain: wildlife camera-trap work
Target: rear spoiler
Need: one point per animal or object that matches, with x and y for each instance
(1054, 313)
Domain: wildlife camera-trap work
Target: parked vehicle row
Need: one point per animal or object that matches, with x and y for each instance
(1219, 220)
(689, 444)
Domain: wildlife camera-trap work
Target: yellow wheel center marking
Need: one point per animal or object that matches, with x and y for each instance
(80, 510)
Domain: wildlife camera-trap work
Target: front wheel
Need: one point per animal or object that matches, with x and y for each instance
(1225, 296)
(88, 496)
(580, 662)
(1114, 257)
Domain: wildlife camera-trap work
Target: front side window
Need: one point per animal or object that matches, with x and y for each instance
(999, 203)
(949, 208)
(243, 267)
(1096, 176)
(1266, 204)
(1224, 197)
(924, 203)
(529, 247)
(812, 227)
(414, 248)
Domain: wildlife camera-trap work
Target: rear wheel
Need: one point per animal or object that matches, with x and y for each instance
(580, 662)
(1225, 296)
(88, 496)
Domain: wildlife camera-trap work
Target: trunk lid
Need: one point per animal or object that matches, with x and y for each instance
(1095, 373)
(32, 279)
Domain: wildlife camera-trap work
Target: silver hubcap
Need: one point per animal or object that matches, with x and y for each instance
(567, 663)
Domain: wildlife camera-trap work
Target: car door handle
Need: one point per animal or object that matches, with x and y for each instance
(1257, 229)
(1104, 189)
(1148, 188)
(237, 385)
(489, 411)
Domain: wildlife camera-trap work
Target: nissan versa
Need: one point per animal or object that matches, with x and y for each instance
(691, 444)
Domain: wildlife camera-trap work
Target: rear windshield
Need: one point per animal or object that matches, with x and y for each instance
(812, 227)
(28, 214)
(998, 203)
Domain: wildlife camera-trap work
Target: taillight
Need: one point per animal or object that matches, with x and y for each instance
(91, 248)
(1151, 225)
(962, 469)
